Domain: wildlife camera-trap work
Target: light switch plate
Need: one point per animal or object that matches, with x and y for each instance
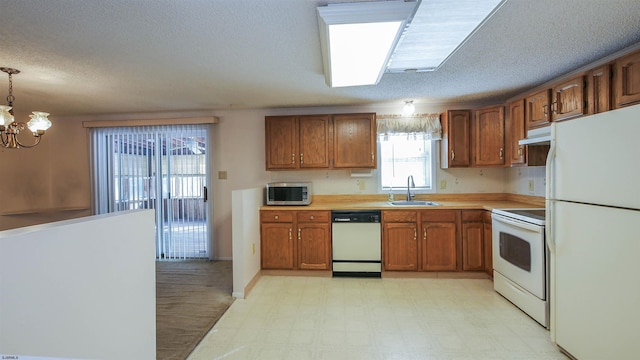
(222, 175)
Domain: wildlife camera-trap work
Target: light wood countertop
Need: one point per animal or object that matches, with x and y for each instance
(446, 201)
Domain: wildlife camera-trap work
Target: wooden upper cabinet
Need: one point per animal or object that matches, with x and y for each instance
(488, 135)
(599, 89)
(354, 141)
(568, 99)
(516, 131)
(297, 142)
(627, 80)
(456, 139)
(281, 142)
(313, 140)
(537, 112)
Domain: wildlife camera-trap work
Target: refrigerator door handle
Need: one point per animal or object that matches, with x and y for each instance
(551, 157)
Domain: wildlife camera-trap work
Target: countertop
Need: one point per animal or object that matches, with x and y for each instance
(446, 201)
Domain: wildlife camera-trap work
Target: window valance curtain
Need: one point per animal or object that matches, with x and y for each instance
(427, 125)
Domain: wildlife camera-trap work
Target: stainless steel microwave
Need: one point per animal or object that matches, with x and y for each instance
(288, 193)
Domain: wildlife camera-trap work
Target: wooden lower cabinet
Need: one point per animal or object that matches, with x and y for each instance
(399, 233)
(439, 240)
(295, 240)
(488, 243)
(276, 246)
(472, 240)
(314, 240)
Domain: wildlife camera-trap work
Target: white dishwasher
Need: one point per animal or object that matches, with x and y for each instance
(356, 243)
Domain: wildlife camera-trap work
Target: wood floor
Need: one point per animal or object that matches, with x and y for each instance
(190, 298)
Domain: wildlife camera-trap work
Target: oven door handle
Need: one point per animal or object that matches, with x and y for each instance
(520, 224)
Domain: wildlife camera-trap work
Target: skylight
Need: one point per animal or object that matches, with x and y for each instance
(361, 41)
(437, 30)
(357, 39)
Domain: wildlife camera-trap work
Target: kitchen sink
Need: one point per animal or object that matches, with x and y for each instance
(413, 203)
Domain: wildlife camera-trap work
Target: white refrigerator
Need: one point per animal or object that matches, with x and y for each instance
(593, 234)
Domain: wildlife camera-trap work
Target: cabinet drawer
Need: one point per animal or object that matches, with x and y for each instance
(472, 215)
(399, 216)
(439, 215)
(314, 216)
(276, 216)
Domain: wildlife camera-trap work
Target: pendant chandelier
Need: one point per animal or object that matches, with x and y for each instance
(9, 128)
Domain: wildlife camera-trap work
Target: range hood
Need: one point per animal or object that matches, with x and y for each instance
(539, 136)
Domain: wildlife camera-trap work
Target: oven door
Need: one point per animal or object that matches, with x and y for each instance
(519, 253)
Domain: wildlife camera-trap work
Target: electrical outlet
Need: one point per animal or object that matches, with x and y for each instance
(222, 175)
(443, 184)
(531, 185)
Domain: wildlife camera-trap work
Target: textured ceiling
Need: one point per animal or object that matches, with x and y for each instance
(81, 57)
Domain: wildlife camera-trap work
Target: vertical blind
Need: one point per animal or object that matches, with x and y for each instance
(161, 168)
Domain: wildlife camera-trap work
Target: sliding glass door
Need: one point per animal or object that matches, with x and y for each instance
(162, 168)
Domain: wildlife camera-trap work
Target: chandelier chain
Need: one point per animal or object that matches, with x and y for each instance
(10, 97)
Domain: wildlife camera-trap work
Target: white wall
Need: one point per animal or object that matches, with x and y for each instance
(519, 179)
(246, 238)
(80, 289)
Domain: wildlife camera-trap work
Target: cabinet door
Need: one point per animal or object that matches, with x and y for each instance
(456, 137)
(537, 110)
(488, 146)
(568, 99)
(276, 245)
(488, 251)
(401, 246)
(314, 246)
(281, 142)
(516, 131)
(439, 246)
(313, 141)
(599, 90)
(354, 141)
(627, 80)
(472, 246)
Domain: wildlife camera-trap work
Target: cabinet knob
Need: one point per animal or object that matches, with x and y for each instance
(453, 155)
(276, 217)
(424, 233)
(501, 153)
(415, 234)
(311, 217)
(298, 234)
(289, 233)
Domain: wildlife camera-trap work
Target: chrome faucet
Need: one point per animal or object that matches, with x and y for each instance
(410, 184)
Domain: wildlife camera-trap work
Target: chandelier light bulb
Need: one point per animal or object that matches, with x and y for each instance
(5, 116)
(39, 122)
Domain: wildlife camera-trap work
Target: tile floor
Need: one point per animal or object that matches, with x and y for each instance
(346, 318)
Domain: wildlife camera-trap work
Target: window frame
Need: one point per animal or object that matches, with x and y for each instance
(416, 190)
